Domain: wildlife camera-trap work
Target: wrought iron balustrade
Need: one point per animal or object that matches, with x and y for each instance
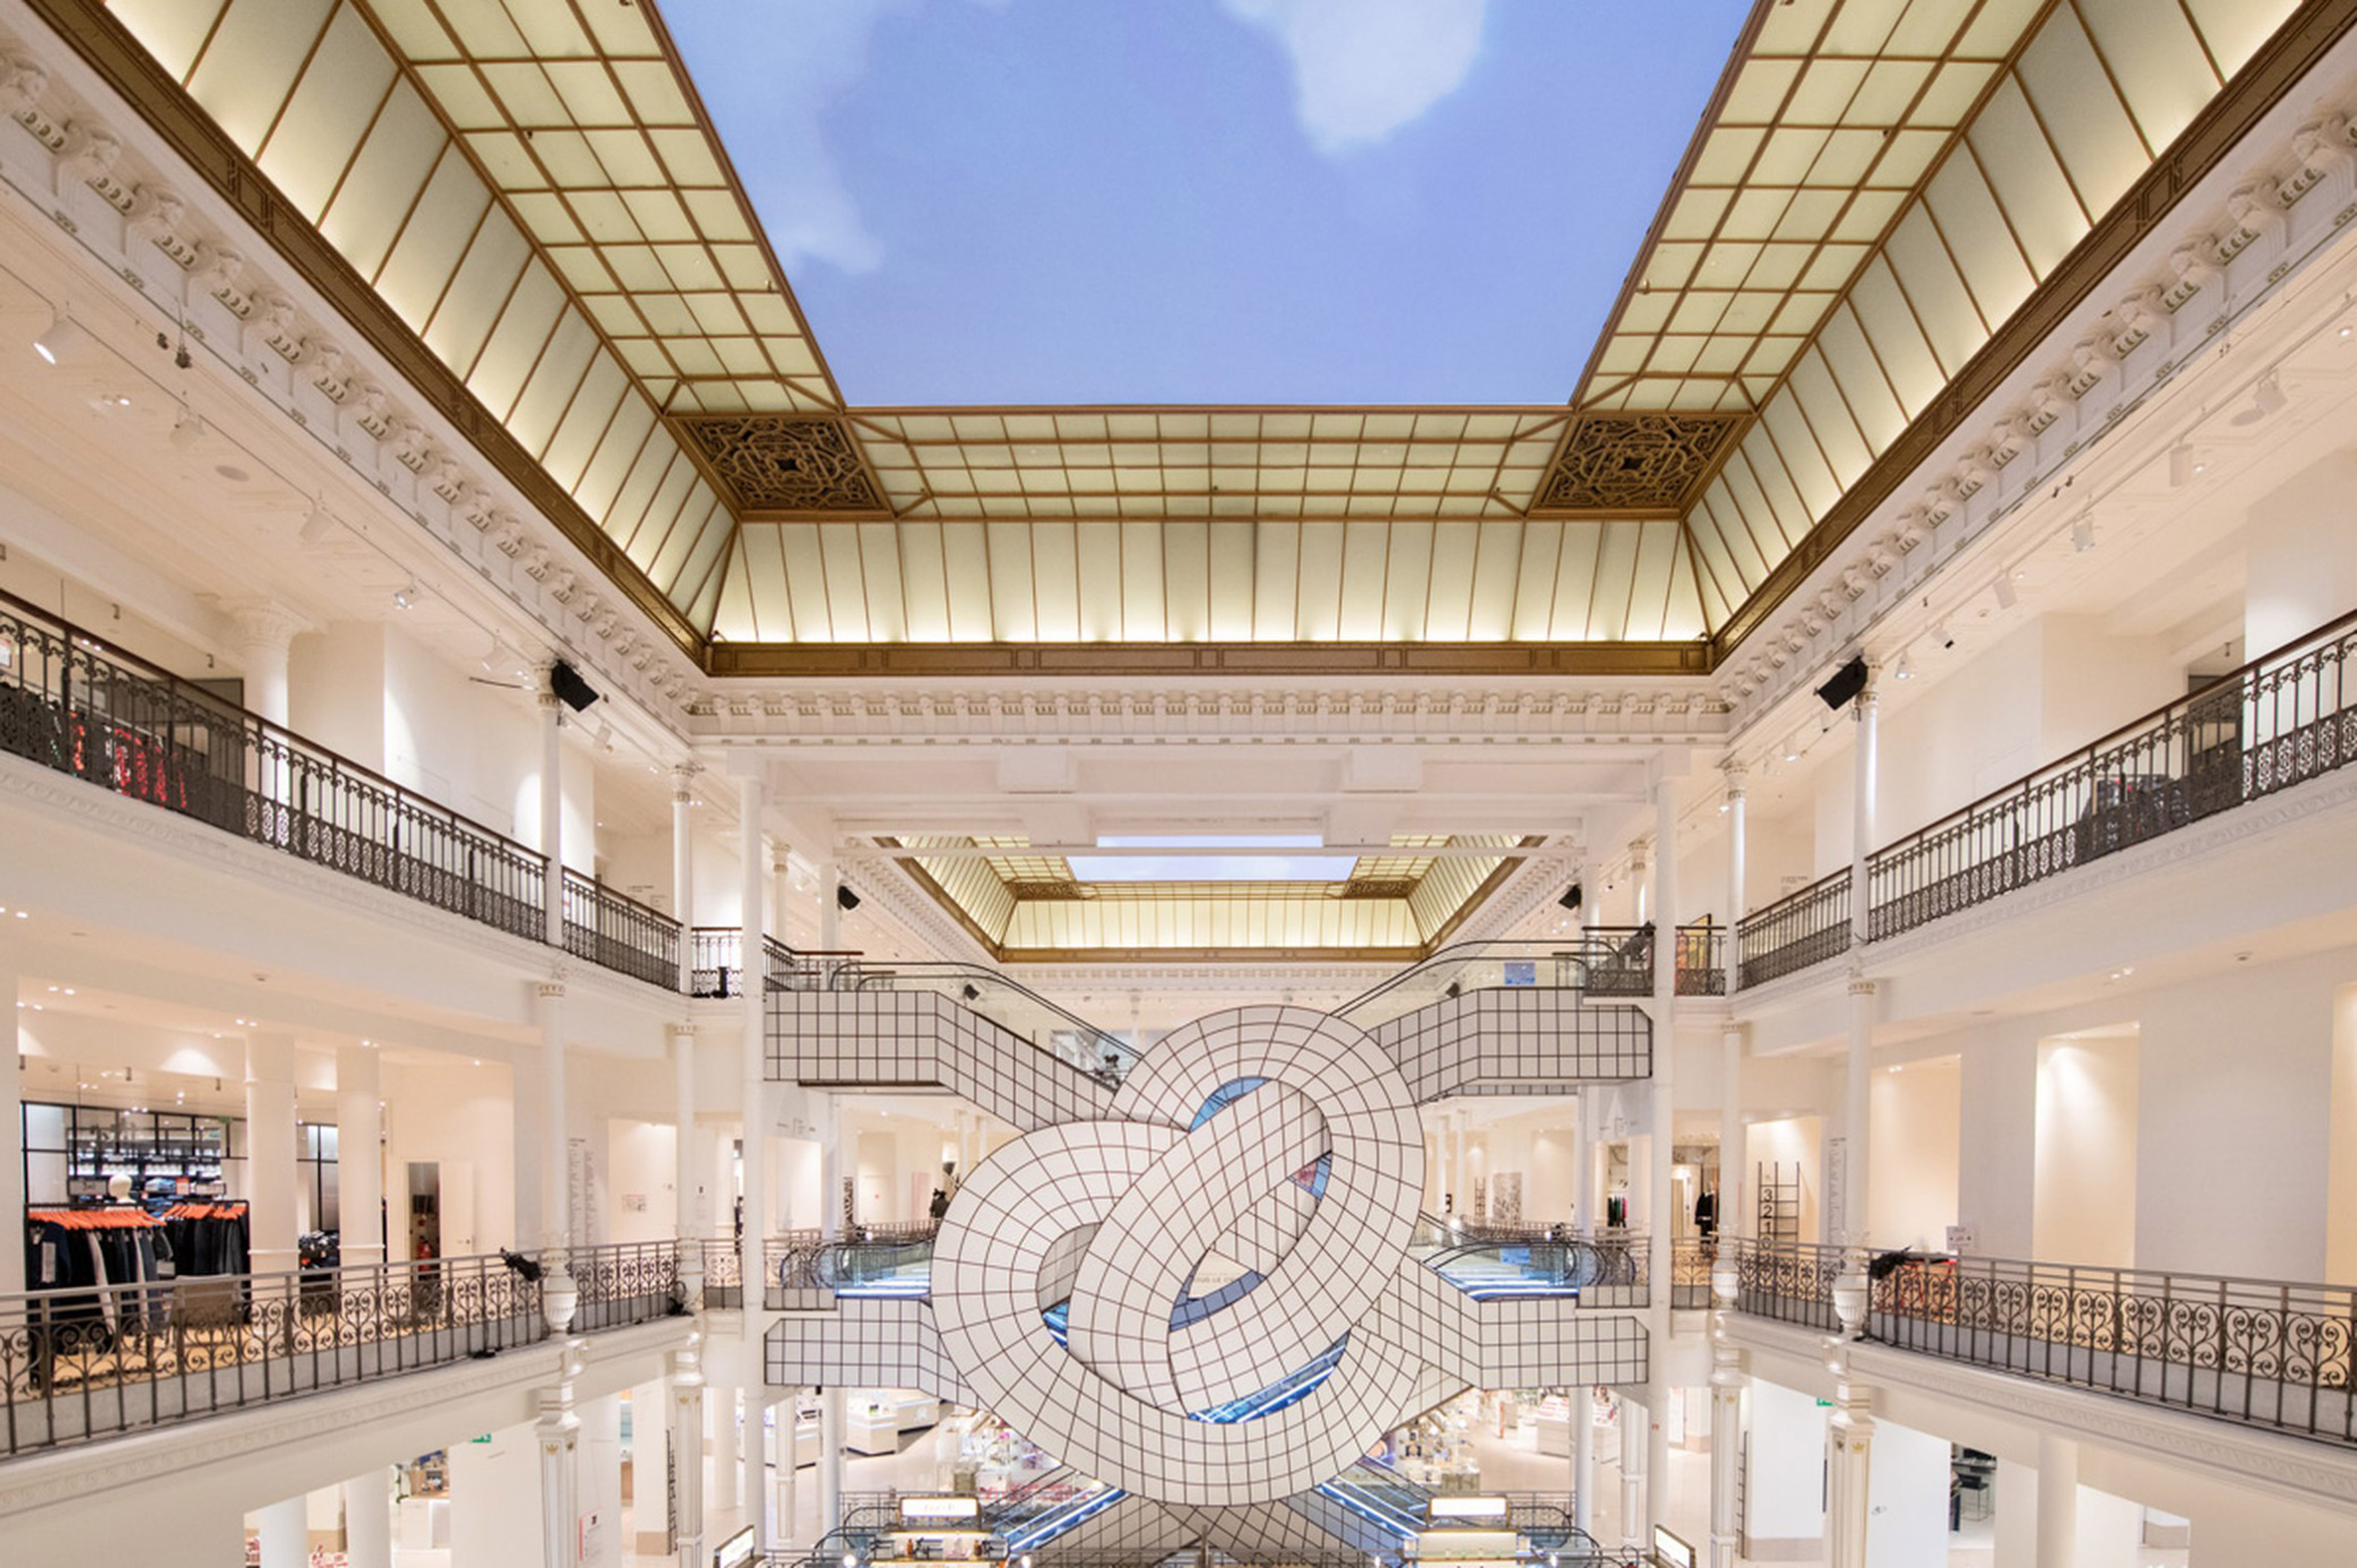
(716, 962)
(2278, 721)
(724, 1273)
(618, 933)
(73, 703)
(1797, 930)
(2260, 1353)
(94, 1361)
(1690, 1274)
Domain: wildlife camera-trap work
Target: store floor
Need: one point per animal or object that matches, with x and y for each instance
(1509, 1464)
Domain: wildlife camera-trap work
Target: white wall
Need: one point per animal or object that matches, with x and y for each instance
(1788, 1141)
(1996, 1189)
(2235, 1122)
(495, 1487)
(1908, 1499)
(2087, 1194)
(2340, 1245)
(1911, 1190)
(461, 1117)
(642, 1180)
(1784, 1494)
(2302, 566)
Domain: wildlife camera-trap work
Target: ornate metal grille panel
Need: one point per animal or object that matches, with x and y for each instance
(783, 464)
(1626, 465)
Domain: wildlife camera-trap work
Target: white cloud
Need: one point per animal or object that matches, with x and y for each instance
(1364, 68)
(780, 78)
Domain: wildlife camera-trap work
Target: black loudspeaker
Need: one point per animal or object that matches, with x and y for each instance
(565, 682)
(844, 898)
(1847, 683)
(1570, 898)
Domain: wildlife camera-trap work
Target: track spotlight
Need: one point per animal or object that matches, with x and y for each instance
(2182, 466)
(406, 597)
(1570, 898)
(1904, 670)
(62, 341)
(187, 428)
(2006, 597)
(2082, 534)
(844, 898)
(1941, 637)
(2267, 398)
(502, 659)
(317, 524)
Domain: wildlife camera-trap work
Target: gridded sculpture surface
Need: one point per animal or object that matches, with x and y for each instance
(1280, 1139)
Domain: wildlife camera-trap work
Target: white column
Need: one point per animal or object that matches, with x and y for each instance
(753, 863)
(1849, 1504)
(1659, 1177)
(12, 1120)
(726, 1469)
(1634, 1420)
(553, 816)
(829, 907)
(685, 1453)
(270, 1154)
(2058, 1501)
(830, 1439)
(285, 1533)
(360, 1156)
(1727, 1379)
(1865, 783)
(683, 870)
(557, 1198)
(788, 1507)
(754, 1457)
(1857, 1119)
(689, 1223)
(557, 1437)
(368, 1519)
(1729, 1205)
(1737, 870)
(1583, 1459)
(264, 631)
(753, 867)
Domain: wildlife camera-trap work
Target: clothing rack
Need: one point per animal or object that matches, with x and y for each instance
(94, 1218)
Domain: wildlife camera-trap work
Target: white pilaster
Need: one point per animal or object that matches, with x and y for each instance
(683, 870)
(832, 1431)
(266, 630)
(557, 1198)
(1659, 1177)
(1633, 1447)
(1729, 1205)
(755, 1457)
(754, 869)
(552, 817)
(687, 1178)
(360, 1156)
(12, 1116)
(1727, 1380)
(1858, 1119)
(285, 1534)
(557, 1437)
(1851, 1435)
(2058, 1501)
(1868, 763)
(725, 1470)
(270, 1154)
(1737, 850)
(368, 1516)
(685, 1479)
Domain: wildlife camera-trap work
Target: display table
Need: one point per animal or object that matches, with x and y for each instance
(876, 1425)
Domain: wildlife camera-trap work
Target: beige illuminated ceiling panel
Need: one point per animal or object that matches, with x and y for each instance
(2062, 131)
(1216, 581)
(1033, 907)
(528, 187)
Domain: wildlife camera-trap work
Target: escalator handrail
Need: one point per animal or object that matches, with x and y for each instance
(1472, 952)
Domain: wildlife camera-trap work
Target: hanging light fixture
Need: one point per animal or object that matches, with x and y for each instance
(317, 524)
(405, 597)
(188, 428)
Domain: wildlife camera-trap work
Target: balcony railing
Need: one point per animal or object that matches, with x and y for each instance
(2277, 722)
(70, 702)
(2262, 1353)
(1619, 960)
(1800, 929)
(716, 961)
(618, 933)
(100, 1362)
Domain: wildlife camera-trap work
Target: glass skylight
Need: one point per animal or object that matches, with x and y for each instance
(1248, 863)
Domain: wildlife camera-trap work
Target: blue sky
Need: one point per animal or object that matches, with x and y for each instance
(1207, 200)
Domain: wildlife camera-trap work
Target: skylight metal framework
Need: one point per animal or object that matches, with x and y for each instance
(1887, 204)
